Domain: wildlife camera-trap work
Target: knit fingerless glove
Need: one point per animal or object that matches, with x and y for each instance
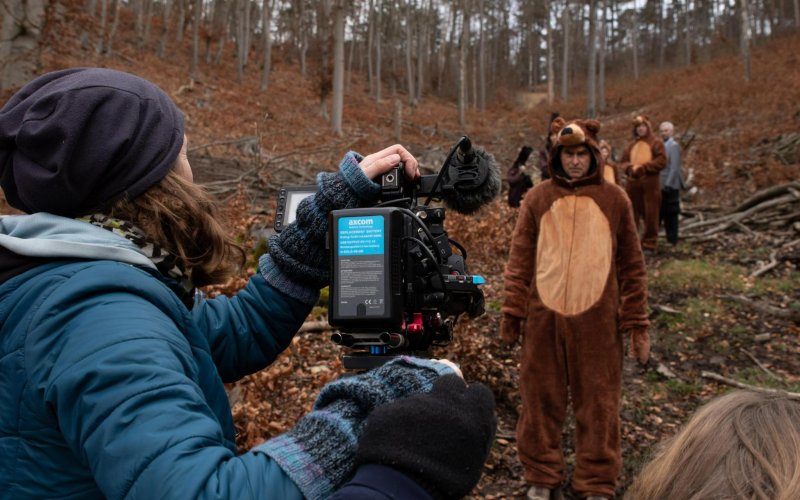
(298, 263)
(318, 453)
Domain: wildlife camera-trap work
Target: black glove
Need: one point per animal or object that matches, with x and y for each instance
(440, 439)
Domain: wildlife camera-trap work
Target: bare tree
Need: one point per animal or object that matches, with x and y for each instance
(462, 66)
(635, 41)
(266, 22)
(551, 73)
(744, 39)
(409, 48)
(481, 87)
(22, 23)
(591, 79)
(601, 61)
(378, 83)
(162, 43)
(338, 68)
(565, 21)
(196, 20)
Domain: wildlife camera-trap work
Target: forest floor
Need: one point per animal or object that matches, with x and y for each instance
(244, 143)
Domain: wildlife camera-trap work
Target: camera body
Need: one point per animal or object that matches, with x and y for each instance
(397, 287)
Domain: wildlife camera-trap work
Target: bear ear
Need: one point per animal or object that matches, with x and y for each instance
(593, 126)
(557, 125)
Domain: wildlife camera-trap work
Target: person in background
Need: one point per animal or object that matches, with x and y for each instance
(610, 170)
(544, 153)
(519, 180)
(642, 161)
(743, 445)
(575, 285)
(111, 377)
(671, 183)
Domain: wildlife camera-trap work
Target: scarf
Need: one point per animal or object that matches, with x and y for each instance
(167, 263)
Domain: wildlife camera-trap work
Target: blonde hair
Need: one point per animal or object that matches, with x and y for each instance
(744, 445)
(184, 219)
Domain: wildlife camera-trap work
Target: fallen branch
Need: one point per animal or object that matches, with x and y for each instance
(759, 364)
(741, 385)
(772, 264)
(765, 194)
(765, 308)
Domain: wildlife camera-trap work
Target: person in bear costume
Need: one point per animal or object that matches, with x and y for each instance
(575, 284)
(642, 162)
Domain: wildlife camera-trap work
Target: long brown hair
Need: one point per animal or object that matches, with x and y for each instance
(744, 445)
(184, 219)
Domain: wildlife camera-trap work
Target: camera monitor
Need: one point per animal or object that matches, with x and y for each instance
(289, 199)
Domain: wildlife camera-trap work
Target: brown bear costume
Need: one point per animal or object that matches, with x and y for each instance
(642, 162)
(576, 276)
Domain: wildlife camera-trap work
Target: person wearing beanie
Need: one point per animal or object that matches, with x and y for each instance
(642, 161)
(575, 287)
(112, 372)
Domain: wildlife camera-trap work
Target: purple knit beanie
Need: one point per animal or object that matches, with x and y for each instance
(77, 140)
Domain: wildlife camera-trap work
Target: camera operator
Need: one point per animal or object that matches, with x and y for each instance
(111, 378)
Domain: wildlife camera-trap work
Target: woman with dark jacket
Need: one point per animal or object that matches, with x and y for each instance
(111, 379)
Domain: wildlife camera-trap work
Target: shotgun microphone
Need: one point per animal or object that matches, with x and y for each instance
(469, 180)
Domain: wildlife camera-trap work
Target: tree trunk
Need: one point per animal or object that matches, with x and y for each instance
(113, 31)
(162, 42)
(370, 38)
(462, 66)
(266, 29)
(409, 47)
(21, 28)
(797, 14)
(744, 39)
(687, 34)
(565, 60)
(601, 60)
(198, 10)
(481, 60)
(591, 79)
(551, 73)
(338, 69)
(635, 43)
(378, 83)
(103, 23)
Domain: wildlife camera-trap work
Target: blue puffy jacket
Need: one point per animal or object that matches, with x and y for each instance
(110, 387)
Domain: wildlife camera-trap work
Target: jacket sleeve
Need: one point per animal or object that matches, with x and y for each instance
(631, 274)
(132, 397)
(521, 263)
(659, 160)
(298, 261)
(249, 330)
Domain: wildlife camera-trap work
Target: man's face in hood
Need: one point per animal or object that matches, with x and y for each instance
(642, 130)
(576, 160)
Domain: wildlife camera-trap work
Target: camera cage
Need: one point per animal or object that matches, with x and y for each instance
(413, 286)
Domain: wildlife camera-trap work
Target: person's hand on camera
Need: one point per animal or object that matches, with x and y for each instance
(440, 439)
(381, 162)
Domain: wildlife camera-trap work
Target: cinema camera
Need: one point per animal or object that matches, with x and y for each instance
(397, 287)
